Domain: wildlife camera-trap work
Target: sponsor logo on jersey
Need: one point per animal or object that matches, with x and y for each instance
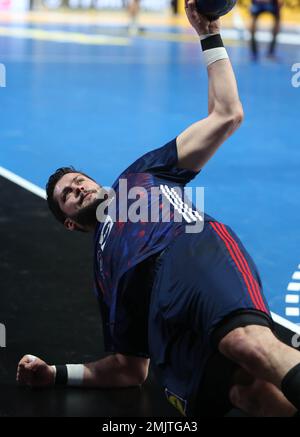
(177, 402)
(106, 230)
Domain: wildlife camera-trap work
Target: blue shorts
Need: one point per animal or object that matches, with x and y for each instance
(205, 285)
(257, 9)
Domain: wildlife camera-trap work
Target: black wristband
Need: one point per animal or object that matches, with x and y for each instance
(61, 377)
(212, 42)
(290, 386)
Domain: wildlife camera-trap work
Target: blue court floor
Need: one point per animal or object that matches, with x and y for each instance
(96, 99)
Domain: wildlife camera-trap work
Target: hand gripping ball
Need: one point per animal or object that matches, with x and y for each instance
(214, 9)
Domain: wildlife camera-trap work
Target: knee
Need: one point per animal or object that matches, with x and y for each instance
(234, 343)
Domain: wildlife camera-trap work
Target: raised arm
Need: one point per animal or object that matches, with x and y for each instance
(199, 142)
(112, 371)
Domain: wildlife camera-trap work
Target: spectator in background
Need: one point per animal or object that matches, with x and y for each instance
(133, 10)
(258, 7)
(174, 6)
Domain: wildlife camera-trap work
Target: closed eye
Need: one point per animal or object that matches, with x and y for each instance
(66, 192)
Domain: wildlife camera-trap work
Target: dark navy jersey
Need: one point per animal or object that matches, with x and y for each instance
(166, 294)
(122, 247)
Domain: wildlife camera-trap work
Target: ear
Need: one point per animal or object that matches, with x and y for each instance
(70, 224)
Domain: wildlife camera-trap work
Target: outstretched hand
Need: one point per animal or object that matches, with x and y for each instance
(200, 23)
(34, 372)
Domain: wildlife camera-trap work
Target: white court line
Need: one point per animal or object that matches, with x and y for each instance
(290, 38)
(42, 193)
(22, 182)
(262, 36)
(286, 323)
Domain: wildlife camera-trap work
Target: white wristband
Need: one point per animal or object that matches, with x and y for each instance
(216, 54)
(75, 374)
(68, 374)
(54, 369)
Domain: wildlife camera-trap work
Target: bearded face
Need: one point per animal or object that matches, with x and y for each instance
(78, 197)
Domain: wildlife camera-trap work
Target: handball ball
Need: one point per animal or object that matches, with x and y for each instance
(214, 9)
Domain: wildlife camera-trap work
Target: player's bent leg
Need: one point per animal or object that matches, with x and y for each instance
(253, 42)
(259, 352)
(275, 31)
(261, 399)
(221, 296)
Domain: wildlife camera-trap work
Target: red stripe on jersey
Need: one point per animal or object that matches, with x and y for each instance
(240, 262)
(246, 266)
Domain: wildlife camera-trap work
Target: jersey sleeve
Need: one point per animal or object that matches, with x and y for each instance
(163, 163)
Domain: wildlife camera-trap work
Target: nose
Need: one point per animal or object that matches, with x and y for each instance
(78, 190)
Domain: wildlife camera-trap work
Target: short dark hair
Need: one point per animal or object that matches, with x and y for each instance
(52, 181)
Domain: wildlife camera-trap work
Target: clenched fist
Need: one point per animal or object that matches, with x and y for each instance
(34, 372)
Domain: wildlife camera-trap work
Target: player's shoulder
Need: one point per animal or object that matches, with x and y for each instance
(155, 158)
